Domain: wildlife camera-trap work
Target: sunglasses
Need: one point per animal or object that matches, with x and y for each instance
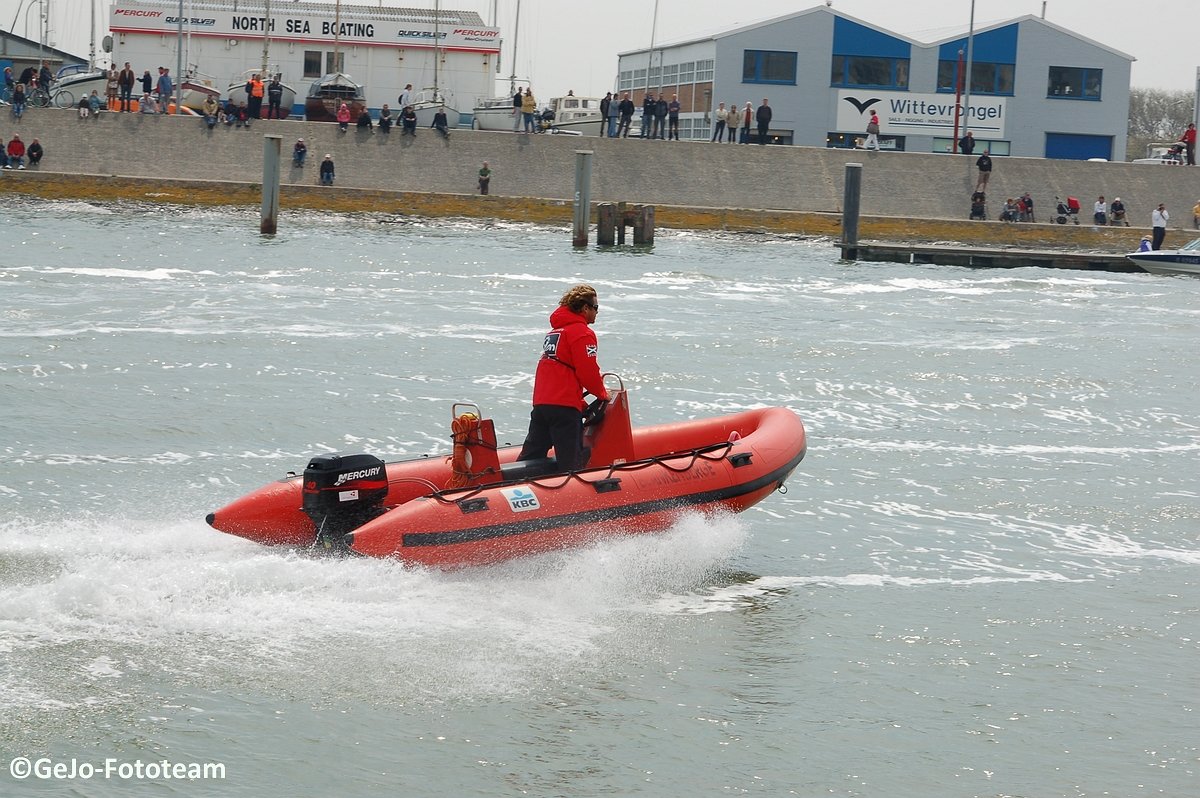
(592, 305)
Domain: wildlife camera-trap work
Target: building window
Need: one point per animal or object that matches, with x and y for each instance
(986, 78)
(687, 72)
(1075, 83)
(768, 66)
(625, 81)
(670, 74)
(312, 63)
(995, 147)
(704, 71)
(335, 62)
(881, 73)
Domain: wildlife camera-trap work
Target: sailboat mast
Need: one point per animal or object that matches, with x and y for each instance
(266, 37)
(437, 19)
(92, 40)
(512, 78)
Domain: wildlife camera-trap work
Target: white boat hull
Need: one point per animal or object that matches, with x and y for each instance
(237, 94)
(1167, 262)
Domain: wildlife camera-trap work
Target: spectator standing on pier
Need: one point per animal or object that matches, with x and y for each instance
(125, 81)
(673, 109)
(720, 118)
(275, 99)
(614, 114)
(485, 177)
(112, 87)
(647, 114)
(405, 99)
(605, 106)
(35, 153)
(147, 82)
(1189, 142)
(873, 133)
(327, 170)
(528, 109)
(1158, 224)
(984, 162)
(518, 102)
(9, 84)
(747, 119)
(626, 109)
(731, 123)
(661, 109)
(966, 145)
(165, 89)
(45, 76)
(763, 116)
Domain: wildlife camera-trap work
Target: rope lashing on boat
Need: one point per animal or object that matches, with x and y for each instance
(466, 433)
(713, 453)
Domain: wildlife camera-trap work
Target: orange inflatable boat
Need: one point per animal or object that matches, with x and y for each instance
(479, 505)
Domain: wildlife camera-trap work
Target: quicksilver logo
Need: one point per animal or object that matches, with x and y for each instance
(350, 475)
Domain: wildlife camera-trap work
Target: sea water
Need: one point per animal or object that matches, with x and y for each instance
(982, 581)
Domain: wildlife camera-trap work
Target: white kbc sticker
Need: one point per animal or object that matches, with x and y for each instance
(521, 500)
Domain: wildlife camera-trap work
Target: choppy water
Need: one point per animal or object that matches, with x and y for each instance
(981, 582)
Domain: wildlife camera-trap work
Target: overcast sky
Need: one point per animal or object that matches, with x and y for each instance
(572, 44)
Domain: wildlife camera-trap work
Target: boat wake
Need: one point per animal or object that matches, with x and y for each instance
(91, 608)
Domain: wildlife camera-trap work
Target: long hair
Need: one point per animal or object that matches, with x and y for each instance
(577, 297)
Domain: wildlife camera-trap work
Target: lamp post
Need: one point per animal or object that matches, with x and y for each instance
(958, 85)
(970, 55)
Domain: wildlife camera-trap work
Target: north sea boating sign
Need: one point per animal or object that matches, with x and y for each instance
(909, 113)
(298, 23)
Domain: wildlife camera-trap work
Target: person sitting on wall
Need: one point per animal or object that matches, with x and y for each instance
(385, 119)
(211, 109)
(35, 153)
(365, 122)
(147, 105)
(408, 120)
(299, 152)
(327, 170)
(343, 117)
(440, 123)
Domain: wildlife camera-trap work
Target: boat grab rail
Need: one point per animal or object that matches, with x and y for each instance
(700, 453)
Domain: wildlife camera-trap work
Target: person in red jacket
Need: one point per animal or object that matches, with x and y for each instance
(16, 153)
(1189, 141)
(568, 369)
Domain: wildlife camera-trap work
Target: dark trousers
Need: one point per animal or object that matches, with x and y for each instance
(126, 95)
(1159, 234)
(1191, 154)
(560, 427)
(762, 133)
(673, 128)
(273, 109)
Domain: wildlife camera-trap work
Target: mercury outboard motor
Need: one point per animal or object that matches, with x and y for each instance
(341, 493)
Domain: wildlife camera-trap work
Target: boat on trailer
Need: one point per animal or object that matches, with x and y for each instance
(479, 504)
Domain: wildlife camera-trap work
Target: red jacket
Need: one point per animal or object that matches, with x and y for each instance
(1189, 136)
(568, 365)
(16, 149)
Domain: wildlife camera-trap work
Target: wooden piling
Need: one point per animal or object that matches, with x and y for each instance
(269, 220)
(850, 205)
(611, 221)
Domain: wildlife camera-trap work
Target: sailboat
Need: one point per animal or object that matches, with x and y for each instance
(431, 99)
(237, 86)
(326, 95)
(76, 81)
(496, 113)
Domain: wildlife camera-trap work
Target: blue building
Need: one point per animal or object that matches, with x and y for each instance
(1036, 88)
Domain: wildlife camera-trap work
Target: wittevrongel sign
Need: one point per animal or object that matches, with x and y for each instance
(903, 113)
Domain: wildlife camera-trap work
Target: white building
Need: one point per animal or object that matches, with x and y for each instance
(381, 47)
(1037, 89)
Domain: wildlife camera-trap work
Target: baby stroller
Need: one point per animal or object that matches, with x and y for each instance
(1066, 210)
(978, 206)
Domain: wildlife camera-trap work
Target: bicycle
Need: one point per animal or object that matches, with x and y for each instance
(63, 98)
(38, 98)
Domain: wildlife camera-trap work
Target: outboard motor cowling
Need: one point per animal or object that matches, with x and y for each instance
(342, 492)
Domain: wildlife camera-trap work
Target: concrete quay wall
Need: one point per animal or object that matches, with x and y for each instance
(766, 183)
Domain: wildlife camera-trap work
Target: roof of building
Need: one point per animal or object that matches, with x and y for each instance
(28, 49)
(925, 39)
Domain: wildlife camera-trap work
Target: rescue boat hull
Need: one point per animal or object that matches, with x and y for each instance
(643, 483)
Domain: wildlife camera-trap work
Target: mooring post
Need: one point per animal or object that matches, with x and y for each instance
(643, 226)
(620, 222)
(850, 201)
(606, 224)
(270, 185)
(583, 197)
